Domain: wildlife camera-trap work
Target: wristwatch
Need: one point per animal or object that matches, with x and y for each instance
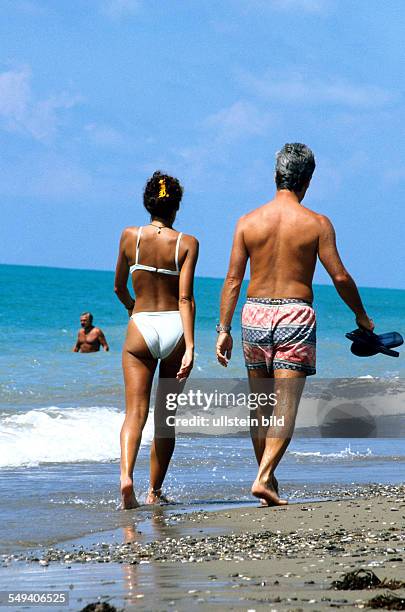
(223, 328)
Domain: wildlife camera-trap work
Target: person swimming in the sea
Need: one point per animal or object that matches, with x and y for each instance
(89, 337)
(161, 261)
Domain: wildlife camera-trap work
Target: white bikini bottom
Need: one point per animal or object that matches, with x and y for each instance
(160, 330)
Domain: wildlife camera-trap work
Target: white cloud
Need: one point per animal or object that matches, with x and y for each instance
(28, 7)
(213, 151)
(46, 175)
(21, 112)
(14, 92)
(208, 157)
(307, 91)
(299, 6)
(104, 135)
(238, 120)
(309, 6)
(120, 8)
(394, 175)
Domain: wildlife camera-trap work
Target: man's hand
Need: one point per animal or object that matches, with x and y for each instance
(186, 365)
(364, 322)
(224, 348)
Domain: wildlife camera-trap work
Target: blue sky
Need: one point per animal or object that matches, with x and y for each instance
(97, 94)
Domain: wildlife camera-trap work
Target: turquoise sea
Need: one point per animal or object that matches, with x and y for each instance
(60, 412)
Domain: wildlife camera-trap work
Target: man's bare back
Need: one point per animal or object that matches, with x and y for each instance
(281, 239)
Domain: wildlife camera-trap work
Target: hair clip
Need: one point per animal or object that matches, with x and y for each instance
(162, 192)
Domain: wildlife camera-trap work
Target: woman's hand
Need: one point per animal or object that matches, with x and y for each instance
(224, 348)
(186, 364)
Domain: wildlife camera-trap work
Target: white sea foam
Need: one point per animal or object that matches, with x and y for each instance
(62, 435)
(346, 453)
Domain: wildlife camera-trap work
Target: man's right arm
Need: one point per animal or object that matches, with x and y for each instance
(230, 292)
(76, 347)
(344, 283)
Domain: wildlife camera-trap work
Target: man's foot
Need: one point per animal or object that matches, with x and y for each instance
(274, 482)
(268, 493)
(128, 499)
(155, 496)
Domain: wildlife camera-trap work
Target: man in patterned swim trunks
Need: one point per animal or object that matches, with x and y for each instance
(283, 240)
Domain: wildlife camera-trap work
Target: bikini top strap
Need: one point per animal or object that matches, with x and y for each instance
(137, 245)
(176, 258)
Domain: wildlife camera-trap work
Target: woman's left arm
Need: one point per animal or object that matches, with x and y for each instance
(121, 275)
(187, 304)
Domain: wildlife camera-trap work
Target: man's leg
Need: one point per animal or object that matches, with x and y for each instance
(258, 432)
(288, 387)
(257, 378)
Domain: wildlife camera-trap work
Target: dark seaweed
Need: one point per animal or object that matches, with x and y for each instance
(365, 579)
(387, 601)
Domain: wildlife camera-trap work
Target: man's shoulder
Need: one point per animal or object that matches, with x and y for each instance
(319, 218)
(249, 217)
(323, 221)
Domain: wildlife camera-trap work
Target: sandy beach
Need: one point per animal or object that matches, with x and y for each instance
(245, 557)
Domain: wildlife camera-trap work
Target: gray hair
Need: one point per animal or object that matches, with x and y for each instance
(87, 314)
(295, 164)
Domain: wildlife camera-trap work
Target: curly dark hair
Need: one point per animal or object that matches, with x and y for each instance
(162, 195)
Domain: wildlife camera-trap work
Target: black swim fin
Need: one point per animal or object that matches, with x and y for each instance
(367, 343)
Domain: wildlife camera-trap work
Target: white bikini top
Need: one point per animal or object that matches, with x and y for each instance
(138, 266)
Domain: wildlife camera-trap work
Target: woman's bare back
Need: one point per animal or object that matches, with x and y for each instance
(154, 291)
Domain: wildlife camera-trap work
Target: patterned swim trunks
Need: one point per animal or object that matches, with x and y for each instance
(279, 334)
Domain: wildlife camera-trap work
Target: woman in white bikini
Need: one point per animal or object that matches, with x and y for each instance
(161, 262)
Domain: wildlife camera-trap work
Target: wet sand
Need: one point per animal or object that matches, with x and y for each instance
(247, 558)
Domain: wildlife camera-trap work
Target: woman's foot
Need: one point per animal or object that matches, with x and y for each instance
(274, 481)
(268, 493)
(155, 496)
(128, 499)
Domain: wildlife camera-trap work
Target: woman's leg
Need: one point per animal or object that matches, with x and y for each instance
(164, 439)
(139, 367)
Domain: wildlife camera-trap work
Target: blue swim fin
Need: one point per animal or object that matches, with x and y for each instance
(367, 343)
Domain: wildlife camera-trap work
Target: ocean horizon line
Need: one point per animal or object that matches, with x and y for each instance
(215, 278)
